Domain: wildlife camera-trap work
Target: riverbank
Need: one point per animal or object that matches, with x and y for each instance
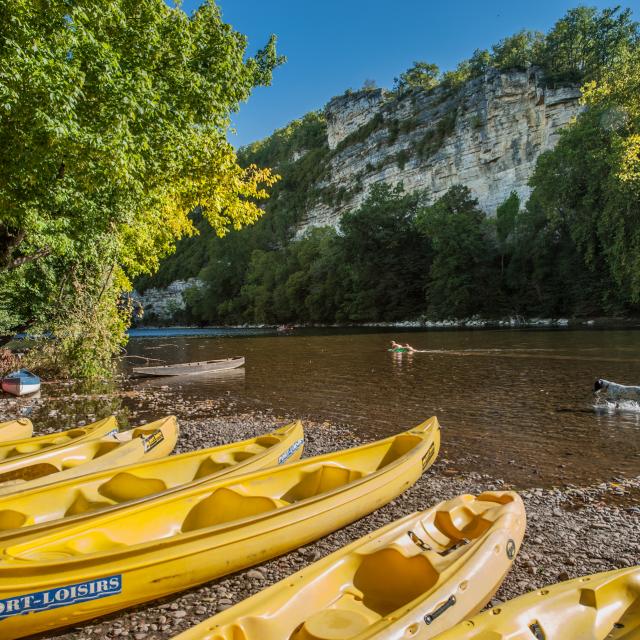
(515, 322)
(571, 530)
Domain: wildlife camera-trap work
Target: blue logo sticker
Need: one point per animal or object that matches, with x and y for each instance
(290, 451)
(60, 596)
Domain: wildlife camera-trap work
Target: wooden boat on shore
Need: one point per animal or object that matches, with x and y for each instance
(411, 579)
(190, 368)
(56, 464)
(21, 383)
(176, 541)
(63, 503)
(604, 606)
(16, 429)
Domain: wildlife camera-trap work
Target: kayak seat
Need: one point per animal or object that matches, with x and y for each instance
(90, 542)
(91, 452)
(28, 473)
(504, 498)
(10, 519)
(461, 522)
(212, 465)
(27, 448)
(347, 618)
(226, 505)
(398, 447)
(82, 505)
(389, 579)
(128, 486)
(267, 441)
(324, 478)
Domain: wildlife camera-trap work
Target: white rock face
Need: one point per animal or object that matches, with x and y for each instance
(347, 113)
(503, 122)
(163, 303)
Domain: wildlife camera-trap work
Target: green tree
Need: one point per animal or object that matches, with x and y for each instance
(518, 51)
(577, 187)
(422, 75)
(586, 42)
(462, 278)
(387, 260)
(506, 216)
(113, 127)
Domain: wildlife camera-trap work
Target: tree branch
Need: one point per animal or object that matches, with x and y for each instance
(17, 262)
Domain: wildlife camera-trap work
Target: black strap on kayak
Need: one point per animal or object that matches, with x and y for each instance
(430, 617)
(418, 542)
(537, 631)
(454, 547)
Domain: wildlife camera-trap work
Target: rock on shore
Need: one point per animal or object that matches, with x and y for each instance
(570, 532)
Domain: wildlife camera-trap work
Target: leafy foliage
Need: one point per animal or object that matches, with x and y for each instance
(463, 264)
(422, 75)
(386, 259)
(585, 43)
(518, 51)
(113, 127)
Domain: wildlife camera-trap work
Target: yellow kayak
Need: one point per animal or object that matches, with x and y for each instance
(78, 498)
(411, 579)
(19, 449)
(604, 606)
(15, 429)
(173, 542)
(56, 464)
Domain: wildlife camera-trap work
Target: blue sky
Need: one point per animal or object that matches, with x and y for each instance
(332, 45)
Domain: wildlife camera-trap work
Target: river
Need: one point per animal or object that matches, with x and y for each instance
(515, 404)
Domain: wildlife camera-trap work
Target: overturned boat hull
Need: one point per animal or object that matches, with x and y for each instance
(21, 383)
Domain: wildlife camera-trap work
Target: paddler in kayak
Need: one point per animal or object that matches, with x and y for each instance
(401, 348)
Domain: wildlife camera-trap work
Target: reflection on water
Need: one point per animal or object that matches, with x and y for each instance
(513, 403)
(617, 406)
(225, 379)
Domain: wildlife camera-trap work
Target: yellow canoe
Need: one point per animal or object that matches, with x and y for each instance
(16, 429)
(411, 579)
(56, 464)
(598, 607)
(62, 503)
(163, 545)
(15, 450)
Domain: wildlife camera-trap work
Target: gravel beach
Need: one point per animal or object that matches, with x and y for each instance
(571, 531)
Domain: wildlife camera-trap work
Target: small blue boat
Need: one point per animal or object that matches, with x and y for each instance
(21, 383)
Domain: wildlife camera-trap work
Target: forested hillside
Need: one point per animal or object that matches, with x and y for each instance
(571, 248)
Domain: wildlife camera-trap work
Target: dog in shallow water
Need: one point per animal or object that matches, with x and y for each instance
(616, 391)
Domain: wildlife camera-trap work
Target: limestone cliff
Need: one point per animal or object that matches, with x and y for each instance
(486, 135)
(161, 304)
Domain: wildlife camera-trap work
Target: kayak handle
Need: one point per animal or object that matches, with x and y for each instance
(430, 617)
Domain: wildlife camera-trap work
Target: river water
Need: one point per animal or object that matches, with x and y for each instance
(516, 404)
